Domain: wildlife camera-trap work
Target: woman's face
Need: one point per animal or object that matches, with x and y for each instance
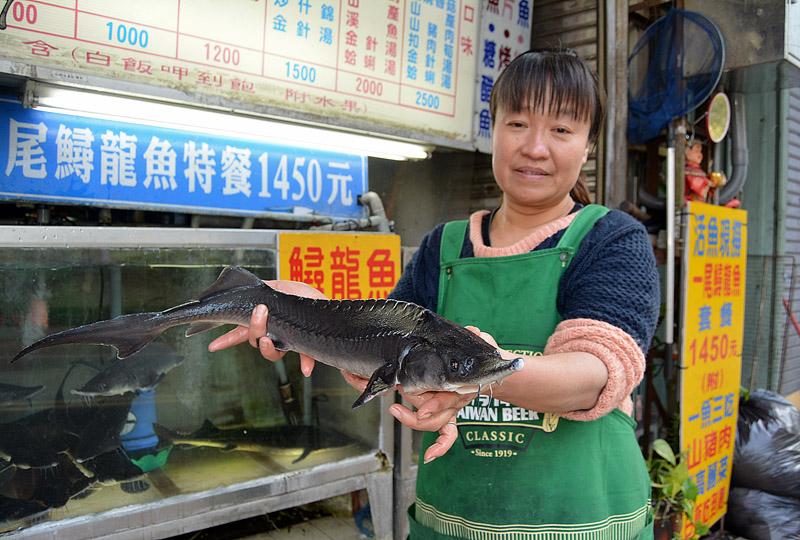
(537, 156)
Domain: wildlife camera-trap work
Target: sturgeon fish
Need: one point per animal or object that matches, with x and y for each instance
(10, 393)
(131, 374)
(251, 439)
(388, 341)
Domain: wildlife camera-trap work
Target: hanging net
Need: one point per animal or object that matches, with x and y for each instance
(673, 69)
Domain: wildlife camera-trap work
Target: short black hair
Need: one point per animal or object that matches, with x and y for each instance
(530, 78)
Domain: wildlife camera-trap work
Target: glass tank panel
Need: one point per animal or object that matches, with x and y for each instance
(171, 419)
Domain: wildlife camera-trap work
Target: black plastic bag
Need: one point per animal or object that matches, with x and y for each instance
(767, 452)
(758, 515)
(770, 409)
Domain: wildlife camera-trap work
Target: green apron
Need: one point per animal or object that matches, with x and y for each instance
(512, 472)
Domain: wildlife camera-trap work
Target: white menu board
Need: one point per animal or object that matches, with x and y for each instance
(400, 65)
(505, 33)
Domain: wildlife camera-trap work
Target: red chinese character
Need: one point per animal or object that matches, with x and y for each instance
(295, 95)
(178, 71)
(708, 272)
(369, 62)
(381, 269)
(718, 280)
(726, 280)
(390, 67)
(350, 57)
(98, 58)
(504, 56)
(466, 45)
(695, 454)
(352, 3)
(391, 48)
(711, 444)
(350, 105)
(372, 43)
(393, 14)
(307, 267)
(725, 438)
(325, 101)
(351, 38)
(469, 12)
(208, 79)
(351, 19)
(344, 273)
(40, 48)
(736, 284)
(242, 85)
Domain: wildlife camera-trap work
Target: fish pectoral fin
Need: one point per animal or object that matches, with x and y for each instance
(231, 277)
(382, 379)
(199, 328)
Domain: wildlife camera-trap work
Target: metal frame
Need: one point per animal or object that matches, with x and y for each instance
(184, 513)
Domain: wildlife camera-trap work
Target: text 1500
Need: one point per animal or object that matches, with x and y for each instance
(301, 72)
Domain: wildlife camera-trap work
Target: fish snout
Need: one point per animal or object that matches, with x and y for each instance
(517, 364)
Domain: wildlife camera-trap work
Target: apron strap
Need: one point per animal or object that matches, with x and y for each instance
(581, 225)
(455, 231)
(452, 241)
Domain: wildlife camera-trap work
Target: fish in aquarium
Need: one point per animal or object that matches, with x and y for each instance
(83, 430)
(129, 375)
(388, 341)
(251, 439)
(11, 393)
(12, 509)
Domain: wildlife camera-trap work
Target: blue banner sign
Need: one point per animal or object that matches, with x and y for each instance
(67, 159)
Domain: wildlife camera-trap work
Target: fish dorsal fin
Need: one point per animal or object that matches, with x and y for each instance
(231, 277)
(207, 429)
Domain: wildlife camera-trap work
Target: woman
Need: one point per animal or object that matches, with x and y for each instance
(551, 451)
(575, 288)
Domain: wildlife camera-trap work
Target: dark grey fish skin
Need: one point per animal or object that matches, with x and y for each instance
(249, 439)
(389, 341)
(129, 375)
(7, 470)
(10, 393)
(13, 509)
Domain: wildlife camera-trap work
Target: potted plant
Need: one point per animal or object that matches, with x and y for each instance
(673, 492)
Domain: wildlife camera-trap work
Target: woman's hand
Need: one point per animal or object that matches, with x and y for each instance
(436, 411)
(256, 331)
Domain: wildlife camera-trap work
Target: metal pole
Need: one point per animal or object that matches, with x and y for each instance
(669, 317)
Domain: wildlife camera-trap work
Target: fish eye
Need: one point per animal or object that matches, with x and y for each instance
(454, 365)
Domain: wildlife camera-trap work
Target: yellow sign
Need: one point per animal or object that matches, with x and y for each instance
(715, 263)
(341, 265)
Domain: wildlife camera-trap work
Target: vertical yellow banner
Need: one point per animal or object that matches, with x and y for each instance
(346, 266)
(715, 264)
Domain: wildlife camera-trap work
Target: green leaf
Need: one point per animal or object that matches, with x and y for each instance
(663, 449)
(701, 528)
(690, 490)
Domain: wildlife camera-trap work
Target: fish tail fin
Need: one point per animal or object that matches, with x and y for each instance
(127, 333)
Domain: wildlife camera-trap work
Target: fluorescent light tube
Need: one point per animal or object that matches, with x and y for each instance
(142, 111)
